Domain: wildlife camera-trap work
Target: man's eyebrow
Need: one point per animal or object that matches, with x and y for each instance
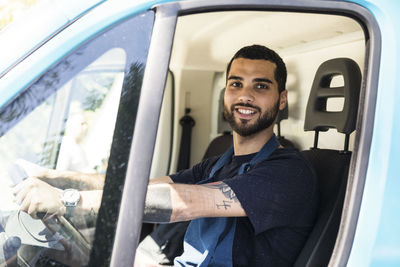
(233, 77)
(257, 80)
(262, 80)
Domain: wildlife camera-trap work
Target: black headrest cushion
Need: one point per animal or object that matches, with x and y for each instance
(317, 116)
(283, 114)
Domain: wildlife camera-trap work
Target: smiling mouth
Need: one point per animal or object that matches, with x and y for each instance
(245, 111)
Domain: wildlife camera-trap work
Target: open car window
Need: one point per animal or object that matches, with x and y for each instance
(65, 121)
(65, 127)
(205, 42)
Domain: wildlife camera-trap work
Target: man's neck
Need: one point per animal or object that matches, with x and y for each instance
(244, 145)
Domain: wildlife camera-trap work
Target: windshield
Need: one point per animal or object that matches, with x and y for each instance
(56, 143)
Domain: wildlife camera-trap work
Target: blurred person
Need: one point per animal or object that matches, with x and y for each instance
(72, 156)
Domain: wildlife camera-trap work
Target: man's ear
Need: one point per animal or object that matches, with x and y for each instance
(283, 100)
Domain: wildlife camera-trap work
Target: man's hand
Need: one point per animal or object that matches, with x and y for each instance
(36, 196)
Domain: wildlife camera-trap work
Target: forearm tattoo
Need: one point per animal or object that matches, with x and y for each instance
(226, 204)
(226, 190)
(158, 206)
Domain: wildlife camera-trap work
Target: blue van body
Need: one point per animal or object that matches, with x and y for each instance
(377, 238)
(62, 36)
(377, 234)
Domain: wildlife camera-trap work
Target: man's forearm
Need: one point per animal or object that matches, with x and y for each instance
(69, 179)
(158, 204)
(85, 213)
(182, 202)
(90, 201)
(169, 202)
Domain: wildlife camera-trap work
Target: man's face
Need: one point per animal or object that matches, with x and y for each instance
(252, 99)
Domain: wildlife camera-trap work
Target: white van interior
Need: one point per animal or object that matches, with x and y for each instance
(191, 116)
(203, 45)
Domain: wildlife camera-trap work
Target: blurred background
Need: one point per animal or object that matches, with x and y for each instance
(13, 9)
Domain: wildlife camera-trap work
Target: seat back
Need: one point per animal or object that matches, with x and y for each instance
(319, 246)
(219, 145)
(283, 115)
(331, 166)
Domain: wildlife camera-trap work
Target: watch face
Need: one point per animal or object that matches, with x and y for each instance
(69, 194)
(70, 197)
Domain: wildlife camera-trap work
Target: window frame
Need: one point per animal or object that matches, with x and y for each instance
(144, 137)
(96, 43)
(151, 98)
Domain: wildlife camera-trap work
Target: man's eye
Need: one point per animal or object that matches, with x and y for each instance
(236, 84)
(262, 86)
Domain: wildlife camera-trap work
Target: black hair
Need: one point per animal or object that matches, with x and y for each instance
(262, 52)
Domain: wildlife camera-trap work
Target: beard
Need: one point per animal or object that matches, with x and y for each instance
(244, 128)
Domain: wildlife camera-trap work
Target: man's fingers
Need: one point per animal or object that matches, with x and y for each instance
(47, 216)
(18, 187)
(25, 203)
(33, 209)
(35, 196)
(22, 192)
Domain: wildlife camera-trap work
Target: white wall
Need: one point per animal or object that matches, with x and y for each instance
(204, 43)
(193, 91)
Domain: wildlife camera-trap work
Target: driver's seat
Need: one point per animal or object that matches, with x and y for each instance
(331, 166)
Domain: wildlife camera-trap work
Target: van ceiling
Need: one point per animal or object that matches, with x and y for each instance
(208, 40)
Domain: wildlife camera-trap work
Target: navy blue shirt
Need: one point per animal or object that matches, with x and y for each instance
(280, 198)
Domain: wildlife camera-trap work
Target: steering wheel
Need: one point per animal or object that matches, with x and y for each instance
(53, 236)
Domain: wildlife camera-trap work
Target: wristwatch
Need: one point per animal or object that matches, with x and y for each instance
(70, 198)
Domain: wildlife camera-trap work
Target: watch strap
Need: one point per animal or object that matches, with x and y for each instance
(69, 211)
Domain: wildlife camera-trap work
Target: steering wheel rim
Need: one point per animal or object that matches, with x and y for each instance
(74, 246)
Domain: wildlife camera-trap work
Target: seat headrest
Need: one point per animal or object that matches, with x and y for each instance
(223, 124)
(283, 114)
(317, 117)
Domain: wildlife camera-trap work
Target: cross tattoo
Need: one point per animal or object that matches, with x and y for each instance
(226, 204)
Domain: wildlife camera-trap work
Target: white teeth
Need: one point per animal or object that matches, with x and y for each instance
(245, 111)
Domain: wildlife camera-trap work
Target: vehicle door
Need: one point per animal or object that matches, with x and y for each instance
(79, 115)
(165, 30)
(122, 73)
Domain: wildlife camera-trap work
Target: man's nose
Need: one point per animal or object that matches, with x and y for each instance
(246, 95)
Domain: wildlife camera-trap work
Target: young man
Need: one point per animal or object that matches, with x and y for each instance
(253, 206)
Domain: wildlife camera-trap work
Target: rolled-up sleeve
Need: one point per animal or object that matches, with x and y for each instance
(195, 174)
